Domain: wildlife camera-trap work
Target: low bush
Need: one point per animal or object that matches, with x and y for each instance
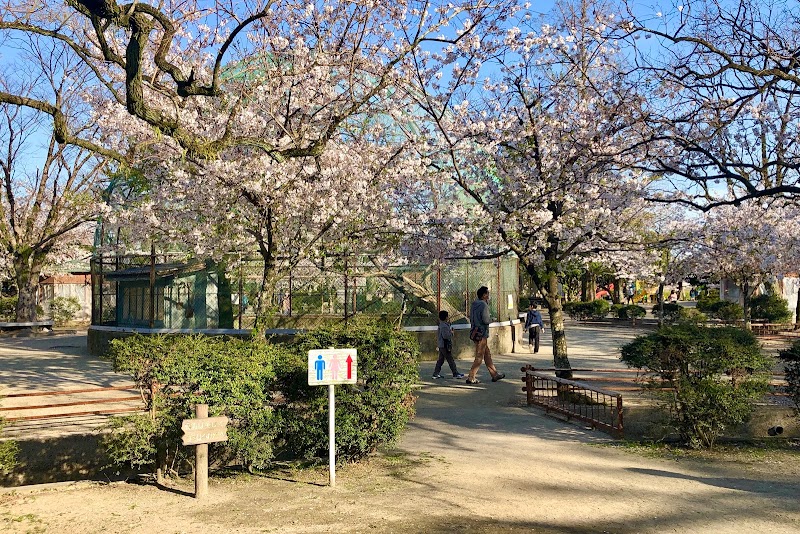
(64, 309)
(723, 310)
(632, 311)
(705, 303)
(234, 377)
(691, 315)
(671, 311)
(728, 312)
(263, 389)
(369, 414)
(581, 311)
(770, 308)
(8, 308)
(713, 376)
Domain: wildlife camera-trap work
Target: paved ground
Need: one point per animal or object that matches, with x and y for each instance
(51, 364)
(484, 462)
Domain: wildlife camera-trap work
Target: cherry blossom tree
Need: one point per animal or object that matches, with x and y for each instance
(724, 77)
(542, 150)
(749, 242)
(47, 200)
(268, 125)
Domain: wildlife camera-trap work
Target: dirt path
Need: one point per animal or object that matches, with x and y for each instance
(473, 460)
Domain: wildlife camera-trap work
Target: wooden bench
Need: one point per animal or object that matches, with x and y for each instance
(9, 326)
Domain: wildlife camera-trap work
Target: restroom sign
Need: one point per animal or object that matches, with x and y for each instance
(332, 366)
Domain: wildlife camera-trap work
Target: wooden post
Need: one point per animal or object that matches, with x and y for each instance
(201, 459)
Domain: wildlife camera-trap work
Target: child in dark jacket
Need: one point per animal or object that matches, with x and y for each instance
(444, 342)
(534, 326)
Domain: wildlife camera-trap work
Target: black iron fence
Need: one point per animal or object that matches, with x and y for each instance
(597, 407)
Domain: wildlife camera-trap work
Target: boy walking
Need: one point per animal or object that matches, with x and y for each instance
(444, 342)
(534, 326)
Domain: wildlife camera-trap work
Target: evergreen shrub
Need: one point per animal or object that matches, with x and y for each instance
(581, 311)
(770, 308)
(705, 303)
(672, 311)
(632, 311)
(713, 376)
(369, 414)
(234, 377)
(64, 309)
(8, 308)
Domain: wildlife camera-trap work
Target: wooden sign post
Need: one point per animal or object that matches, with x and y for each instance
(199, 432)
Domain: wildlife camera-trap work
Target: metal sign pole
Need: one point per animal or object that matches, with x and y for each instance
(332, 435)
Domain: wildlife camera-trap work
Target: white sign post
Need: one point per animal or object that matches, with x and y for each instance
(328, 367)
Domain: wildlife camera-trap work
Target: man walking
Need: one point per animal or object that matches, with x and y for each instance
(479, 319)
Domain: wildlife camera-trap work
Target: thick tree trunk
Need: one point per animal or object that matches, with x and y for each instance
(585, 287)
(26, 271)
(560, 359)
(616, 294)
(660, 303)
(224, 298)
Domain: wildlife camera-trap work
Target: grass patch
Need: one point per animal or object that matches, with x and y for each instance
(757, 455)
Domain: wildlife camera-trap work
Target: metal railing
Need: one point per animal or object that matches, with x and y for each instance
(600, 408)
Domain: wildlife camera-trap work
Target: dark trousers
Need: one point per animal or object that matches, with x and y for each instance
(445, 354)
(533, 337)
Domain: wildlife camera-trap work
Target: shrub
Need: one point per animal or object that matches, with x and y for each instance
(615, 310)
(691, 315)
(368, 415)
(728, 312)
(8, 308)
(672, 311)
(770, 308)
(632, 311)
(705, 303)
(791, 360)
(234, 377)
(64, 309)
(594, 309)
(715, 376)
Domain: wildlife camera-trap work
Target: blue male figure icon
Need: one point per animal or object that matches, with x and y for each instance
(319, 366)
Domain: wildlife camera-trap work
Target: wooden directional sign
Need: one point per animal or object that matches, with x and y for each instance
(332, 366)
(205, 430)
